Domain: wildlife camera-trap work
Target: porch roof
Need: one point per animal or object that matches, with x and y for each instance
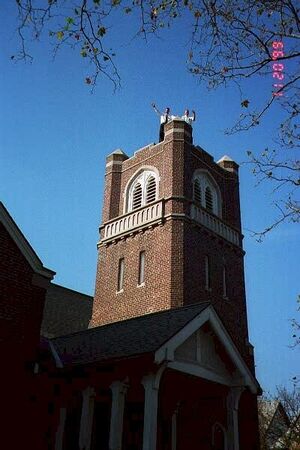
(144, 334)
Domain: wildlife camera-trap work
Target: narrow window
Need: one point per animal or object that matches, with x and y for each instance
(151, 190)
(209, 204)
(218, 437)
(207, 273)
(121, 274)
(137, 196)
(224, 281)
(141, 268)
(197, 192)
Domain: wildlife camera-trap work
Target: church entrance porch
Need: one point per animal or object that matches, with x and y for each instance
(192, 413)
(192, 390)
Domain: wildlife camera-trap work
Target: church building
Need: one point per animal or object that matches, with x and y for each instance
(165, 362)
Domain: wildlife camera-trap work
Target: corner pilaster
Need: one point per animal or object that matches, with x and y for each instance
(119, 390)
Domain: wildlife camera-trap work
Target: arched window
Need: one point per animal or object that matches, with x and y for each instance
(142, 190)
(206, 192)
(219, 441)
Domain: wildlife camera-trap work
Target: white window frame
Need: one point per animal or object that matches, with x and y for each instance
(225, 278)
(141, 273)
(121, 272)
(142, 177)
(206, 180)
(207, 266)
(218, 424)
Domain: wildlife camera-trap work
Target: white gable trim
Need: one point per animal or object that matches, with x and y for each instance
(201, 372)
(166, 352)
(23, 245)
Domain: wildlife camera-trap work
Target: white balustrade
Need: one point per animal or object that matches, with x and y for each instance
(136, 219)
(214, 224)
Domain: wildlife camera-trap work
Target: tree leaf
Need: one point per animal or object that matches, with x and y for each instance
(101, 32)
(245, 103)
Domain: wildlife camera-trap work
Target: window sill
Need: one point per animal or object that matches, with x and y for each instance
(120, 292)
(208, 289)
(226, 298)
(140, 285)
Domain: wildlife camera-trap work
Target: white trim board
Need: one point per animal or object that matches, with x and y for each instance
(167, 351)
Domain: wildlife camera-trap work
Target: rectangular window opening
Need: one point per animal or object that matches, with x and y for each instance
(121, 274)
(224, 282)
(207, 274)
(141, 279)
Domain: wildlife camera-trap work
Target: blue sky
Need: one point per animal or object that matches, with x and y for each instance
(55, 135)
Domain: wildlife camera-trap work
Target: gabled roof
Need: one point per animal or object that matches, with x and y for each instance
(160, 333)
(144, 334)
(66, 311)
(23, 245)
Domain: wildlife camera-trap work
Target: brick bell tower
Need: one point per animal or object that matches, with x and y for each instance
(171, 234)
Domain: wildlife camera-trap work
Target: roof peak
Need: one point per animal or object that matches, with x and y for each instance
(118, 151)
(225, 158)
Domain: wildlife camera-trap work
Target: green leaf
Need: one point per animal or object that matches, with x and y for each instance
(101, 32)
(245, 103)
(69, 20)
(115, 2)
(83, 53)
(60, 35)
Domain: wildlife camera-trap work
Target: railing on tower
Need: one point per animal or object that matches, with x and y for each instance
(154, 214)
(145, 216)
(215, 224)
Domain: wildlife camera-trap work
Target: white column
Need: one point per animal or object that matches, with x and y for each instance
(174, 427)
(174, 431)
(86, 423)
(150, 412)
(233, 417)
(60, 429)
(119, 390)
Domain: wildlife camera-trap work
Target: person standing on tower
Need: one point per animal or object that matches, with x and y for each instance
(164, 118)
(189, 119)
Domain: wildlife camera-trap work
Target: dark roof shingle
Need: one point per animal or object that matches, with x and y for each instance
(143, 334)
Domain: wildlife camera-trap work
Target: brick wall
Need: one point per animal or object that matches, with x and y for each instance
(21, 307)
(21, 304)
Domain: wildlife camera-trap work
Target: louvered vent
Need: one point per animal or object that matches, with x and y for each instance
(197, 192)
(151, 190)
(209, 205)
(137, 196)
